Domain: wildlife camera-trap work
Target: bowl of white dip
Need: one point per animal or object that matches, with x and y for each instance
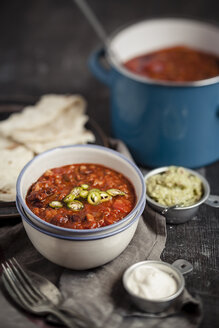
(155, 285)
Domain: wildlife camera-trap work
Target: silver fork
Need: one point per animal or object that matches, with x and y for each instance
(18, 282)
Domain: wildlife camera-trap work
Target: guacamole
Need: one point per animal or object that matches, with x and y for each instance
(175, 186)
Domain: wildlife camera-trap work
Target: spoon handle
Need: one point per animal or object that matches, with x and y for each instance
(167, 209)
(88, 13)
(62, 317)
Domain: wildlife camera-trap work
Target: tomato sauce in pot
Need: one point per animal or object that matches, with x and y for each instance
(179, 63)
(81, 196)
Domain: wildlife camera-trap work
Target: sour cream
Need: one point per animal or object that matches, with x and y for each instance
(151, 283)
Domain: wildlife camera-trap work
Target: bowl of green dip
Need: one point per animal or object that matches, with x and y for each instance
(176, 192)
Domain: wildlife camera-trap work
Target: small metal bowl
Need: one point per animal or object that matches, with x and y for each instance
(177, 215)
(175, 270)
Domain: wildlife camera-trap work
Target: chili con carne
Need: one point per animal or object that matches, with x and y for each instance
(179, 63)
(81, 196)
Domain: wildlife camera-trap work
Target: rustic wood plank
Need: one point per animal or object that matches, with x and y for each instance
(198, 242)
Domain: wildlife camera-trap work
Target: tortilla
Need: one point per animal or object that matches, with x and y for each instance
(69, 122)
(82, 138)
(6, 143)
(45, 111)
(12, 162)
(56, 120)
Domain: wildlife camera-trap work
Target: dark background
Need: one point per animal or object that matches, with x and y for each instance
(44, 48)
(45, 44)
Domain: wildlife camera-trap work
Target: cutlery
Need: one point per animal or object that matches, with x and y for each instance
(167, 209)
(27, 293)
(92, 19)
(96, 25)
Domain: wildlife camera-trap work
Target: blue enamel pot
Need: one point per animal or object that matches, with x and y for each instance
(162, 123)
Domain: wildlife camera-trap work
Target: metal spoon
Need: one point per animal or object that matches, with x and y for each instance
(212, 200)
(167, 209)
(88, 13)
(96, 25)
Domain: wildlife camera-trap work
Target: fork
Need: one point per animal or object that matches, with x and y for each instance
(19, 283)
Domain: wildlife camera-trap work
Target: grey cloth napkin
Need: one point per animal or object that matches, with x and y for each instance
(98, 294)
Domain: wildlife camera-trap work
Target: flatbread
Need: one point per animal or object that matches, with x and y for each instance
(45, 111)
(56, 120)
(6, 143)
(12, 162)
(69, 123)
(82, 138)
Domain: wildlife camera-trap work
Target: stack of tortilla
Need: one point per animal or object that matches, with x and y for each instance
(56, 120)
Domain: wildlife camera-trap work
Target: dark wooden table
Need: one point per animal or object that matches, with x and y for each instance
(45, 45)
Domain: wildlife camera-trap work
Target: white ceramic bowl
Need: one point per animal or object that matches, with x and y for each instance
(80, 154)
(80, 252)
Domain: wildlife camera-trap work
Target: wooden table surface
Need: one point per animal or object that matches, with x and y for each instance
(45, 45)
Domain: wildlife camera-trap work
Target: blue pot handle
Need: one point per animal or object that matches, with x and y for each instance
(103, 74)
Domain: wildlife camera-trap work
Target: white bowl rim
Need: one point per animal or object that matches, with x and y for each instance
(73, 238)
(82, 231)
(152, 262)
(119, 67)
(204, 181)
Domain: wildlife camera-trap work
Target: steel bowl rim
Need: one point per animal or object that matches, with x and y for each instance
(205, 184)
(156, 301)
